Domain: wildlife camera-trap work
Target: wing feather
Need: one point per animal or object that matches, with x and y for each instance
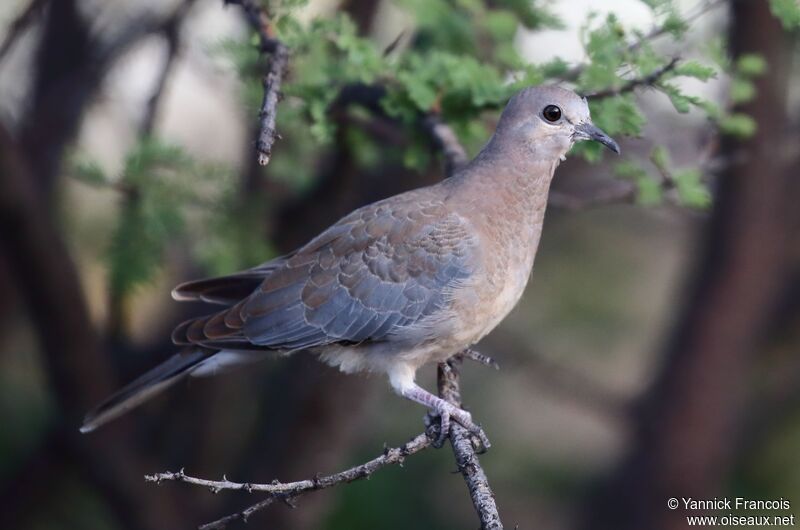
(374, 276)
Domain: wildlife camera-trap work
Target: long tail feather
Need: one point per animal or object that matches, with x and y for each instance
(144, 387)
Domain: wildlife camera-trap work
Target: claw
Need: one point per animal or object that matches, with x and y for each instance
(480, 358)
(446, 412)
(449, 412)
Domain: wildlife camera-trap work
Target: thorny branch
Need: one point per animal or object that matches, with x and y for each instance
(289, 490)
(273, 77)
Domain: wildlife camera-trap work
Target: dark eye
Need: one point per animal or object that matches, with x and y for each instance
(551, 113)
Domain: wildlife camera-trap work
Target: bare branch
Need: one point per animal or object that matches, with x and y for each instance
(290, 490)
(629, 86)
(273, 77)
(455, 156)
(464, 449)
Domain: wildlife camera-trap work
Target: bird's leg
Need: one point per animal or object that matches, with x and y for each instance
(446, 411)
(478, 357)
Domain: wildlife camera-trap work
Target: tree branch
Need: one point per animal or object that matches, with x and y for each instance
(273, 76)
(464, 449)
(461, 439)
(291, 490)
(629, 86)
(455, 156)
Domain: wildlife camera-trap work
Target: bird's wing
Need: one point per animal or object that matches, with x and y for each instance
(379, 271)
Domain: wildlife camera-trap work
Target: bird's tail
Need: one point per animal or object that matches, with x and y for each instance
(146, 386)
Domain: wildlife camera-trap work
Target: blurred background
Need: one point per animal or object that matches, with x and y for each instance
(654, 354)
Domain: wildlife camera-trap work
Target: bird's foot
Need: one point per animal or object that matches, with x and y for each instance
(478, 357)
(446, 412)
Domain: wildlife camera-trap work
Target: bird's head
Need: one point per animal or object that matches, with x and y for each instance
(547, 120)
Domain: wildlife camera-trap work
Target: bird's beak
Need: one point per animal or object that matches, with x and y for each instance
(589, 131)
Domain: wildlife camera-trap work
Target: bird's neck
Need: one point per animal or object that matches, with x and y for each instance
(510, 184)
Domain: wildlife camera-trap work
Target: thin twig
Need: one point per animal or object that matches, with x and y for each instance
(273, 76)
(290, 490)
(464, 450)
(648, 80)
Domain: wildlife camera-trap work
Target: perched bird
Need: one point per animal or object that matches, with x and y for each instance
(406, 281)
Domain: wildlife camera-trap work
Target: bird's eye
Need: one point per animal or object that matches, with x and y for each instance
(551, 113)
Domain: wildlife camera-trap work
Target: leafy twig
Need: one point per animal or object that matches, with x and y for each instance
(704, 7)
(273, 76)
(629, 86)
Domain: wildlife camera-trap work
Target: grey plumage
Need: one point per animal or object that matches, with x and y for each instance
(408, 280)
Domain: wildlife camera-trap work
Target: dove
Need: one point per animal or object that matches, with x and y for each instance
(397, 284)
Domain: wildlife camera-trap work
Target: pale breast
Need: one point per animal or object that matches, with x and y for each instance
(499, 286)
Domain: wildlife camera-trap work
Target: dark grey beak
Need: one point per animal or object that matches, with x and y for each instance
(588, 131)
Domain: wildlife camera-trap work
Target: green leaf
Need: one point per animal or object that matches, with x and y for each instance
(738, 125)
(501, 24)
(675, 25)
(787, 11)
(419, 91)
(742, 90)
(682, 102)
(692, 192)
(618, 115)
(89, 172)
(648, 191)
(696, 70)
(751, 65)
(660, 158)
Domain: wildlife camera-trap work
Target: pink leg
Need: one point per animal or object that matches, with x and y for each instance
(445, 411)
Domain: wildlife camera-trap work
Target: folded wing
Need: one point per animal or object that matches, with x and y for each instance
(376, 275)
